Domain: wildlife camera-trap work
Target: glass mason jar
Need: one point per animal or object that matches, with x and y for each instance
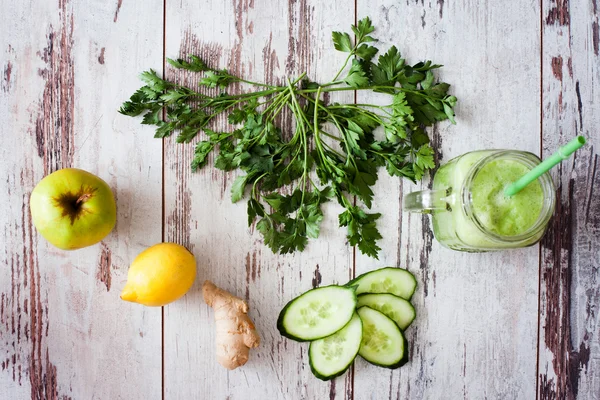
(468, 207)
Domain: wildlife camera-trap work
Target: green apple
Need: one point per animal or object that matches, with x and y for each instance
(72, 208)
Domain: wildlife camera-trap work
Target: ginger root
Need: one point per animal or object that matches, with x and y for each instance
(235, 331)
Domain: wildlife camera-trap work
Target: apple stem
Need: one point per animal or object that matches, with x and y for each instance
(82, 198)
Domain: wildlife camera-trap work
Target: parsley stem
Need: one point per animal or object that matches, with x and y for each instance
(331, 84)
(333, 151)
(275, 102)
(336, 123)
(346, 88)
(342, 132)
(210, 117)
(344, 66)
(285, 100)
(290, 163)
(251, 95)
(255, 83)
(339, 139)
(319, 145)
(374, 116)
(253, 193)
(316, 111)
(301, 126)
(281, 98)
(358, 106)
(345, 202)
(298, 79)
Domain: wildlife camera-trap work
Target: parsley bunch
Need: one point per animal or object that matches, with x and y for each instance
(337, 141)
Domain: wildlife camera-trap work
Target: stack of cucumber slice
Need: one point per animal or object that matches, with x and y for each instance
(365, 317)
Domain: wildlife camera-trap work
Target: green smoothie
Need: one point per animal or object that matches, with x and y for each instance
(472, 213)
(505, 216)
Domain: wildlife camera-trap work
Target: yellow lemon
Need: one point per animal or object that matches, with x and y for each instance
(160, 275)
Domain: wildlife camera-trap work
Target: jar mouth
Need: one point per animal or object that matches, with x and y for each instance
(528, 159)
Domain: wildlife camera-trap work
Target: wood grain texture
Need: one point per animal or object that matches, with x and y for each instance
(64, 332)
(513, 324)
(262, 41)
(475, 335)
(569, 347)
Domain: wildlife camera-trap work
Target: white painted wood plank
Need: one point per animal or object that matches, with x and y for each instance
(261, 41)
(64, 332)
(569, 347)
(475, 335)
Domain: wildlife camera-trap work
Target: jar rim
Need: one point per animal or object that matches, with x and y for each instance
(528, 159)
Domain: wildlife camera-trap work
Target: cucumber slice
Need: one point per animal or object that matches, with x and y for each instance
(395, 308)
(383, 343)
(396, 281)
(317, 313)
(332, 356)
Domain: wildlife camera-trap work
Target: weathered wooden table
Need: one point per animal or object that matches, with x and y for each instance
(514, 324)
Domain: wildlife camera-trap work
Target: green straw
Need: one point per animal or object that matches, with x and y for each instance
(562, 154)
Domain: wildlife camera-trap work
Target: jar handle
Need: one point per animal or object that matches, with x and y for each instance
(426, 201)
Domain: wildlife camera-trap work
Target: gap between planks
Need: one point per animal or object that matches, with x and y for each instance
(539, 319)
(163, 205)
(353, 272)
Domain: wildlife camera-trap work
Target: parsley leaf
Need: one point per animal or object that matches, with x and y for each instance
(237, 189)
(357, 77)
(201, 154)
(362, 230)
(195, 65)
(362, 29)
(342, 42)
(366, 52)
(390, 64)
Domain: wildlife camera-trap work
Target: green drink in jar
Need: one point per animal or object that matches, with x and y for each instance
(470, 211)
(491, 199)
